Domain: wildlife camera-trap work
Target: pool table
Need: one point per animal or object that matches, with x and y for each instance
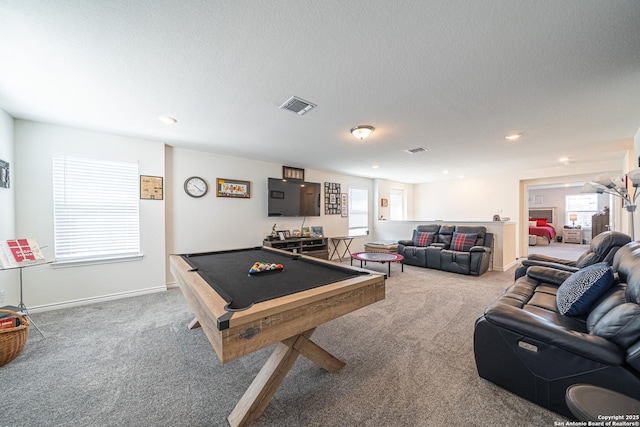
(241, 313)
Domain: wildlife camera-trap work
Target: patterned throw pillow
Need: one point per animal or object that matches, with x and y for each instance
(423, 238)
(463, 241)
(577, 294)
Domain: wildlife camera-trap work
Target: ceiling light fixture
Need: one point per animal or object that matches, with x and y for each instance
(513, 137)
(362, 131)
(168, 120)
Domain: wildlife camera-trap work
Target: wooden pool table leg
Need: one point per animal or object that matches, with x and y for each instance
(194, 324)
(257, 397)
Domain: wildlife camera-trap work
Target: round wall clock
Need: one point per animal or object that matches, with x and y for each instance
(196, 186)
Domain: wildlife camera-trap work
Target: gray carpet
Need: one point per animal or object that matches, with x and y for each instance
(560, 250)
(133, 362)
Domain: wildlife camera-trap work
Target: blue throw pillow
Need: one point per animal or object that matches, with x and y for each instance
(577, 294)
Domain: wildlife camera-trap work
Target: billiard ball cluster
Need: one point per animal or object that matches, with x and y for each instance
(260, 267)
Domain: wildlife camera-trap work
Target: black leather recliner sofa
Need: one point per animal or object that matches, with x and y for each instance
(524, 344)
(442, 250)
(603, 247)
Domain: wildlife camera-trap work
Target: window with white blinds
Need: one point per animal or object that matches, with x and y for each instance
(96, 215)
(358, 212)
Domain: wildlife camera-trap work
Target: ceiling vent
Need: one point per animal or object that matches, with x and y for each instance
(417, 150)
(297, 105)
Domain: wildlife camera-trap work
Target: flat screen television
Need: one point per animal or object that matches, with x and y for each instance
(293, 198)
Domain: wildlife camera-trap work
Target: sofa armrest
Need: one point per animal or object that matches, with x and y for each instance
(557, 266)
(479, 249)
(546, 258)
(548, 275)
(406, 242)
(530, 325)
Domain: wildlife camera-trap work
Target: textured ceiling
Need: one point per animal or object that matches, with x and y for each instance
(454, 76)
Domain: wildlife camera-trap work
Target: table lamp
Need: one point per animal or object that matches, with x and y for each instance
(573, 217)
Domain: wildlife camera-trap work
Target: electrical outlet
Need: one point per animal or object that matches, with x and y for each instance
(1, 296)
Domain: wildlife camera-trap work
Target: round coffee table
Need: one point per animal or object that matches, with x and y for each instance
(378, 257)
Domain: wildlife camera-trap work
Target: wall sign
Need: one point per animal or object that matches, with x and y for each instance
(292, 173)
(151, 187)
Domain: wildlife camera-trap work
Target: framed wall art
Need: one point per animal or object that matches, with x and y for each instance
(151, 187)
(4, 174)
(233, 188)
(344, 205)
(292, 173)
(332, 200)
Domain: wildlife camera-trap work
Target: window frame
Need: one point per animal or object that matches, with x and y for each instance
(96, 210)
(403, 204)
(358, 230)
(584, 215)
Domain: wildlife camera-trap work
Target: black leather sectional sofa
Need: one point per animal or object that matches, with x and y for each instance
(525, 344)
(602, 248)
(441, 248)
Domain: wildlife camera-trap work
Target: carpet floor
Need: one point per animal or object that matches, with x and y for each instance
(133, 362)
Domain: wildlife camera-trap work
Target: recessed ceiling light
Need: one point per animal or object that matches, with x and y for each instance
(460, 176)
(513, 137)
(445, 171)
(168, 120)
(375, 166)
(563, 159)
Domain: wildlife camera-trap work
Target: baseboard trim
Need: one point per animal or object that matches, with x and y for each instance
(94, 300)
(506, 267)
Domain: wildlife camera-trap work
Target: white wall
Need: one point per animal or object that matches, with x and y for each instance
(382, 190)
(49, 287)
(8, 279)
(468, 199)
(214, 223)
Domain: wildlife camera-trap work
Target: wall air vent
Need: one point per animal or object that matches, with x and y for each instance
(297, 105)
(417, 150)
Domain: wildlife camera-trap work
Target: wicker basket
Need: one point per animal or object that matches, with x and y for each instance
(12, 339)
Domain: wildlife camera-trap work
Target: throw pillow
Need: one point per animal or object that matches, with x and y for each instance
(423, 238)
(577, 294)
(463, 241)
(540, 222)
(533, 223)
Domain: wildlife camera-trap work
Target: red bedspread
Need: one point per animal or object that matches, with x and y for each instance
(544, 230)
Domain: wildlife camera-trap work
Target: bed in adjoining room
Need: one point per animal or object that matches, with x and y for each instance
(541, 225)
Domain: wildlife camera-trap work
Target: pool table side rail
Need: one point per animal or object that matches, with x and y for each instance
(274, 320)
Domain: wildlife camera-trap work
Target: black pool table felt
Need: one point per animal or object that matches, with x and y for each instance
(227, 273)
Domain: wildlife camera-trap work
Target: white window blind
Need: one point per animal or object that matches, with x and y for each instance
(96, 215)
(584, 206)
(358, 212)
(396, 205)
